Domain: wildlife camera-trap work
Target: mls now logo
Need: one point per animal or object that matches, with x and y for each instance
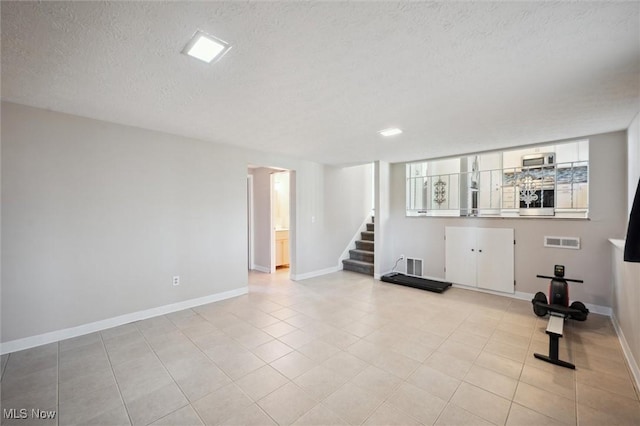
(23, 413)
(42, 414)
(14, 413)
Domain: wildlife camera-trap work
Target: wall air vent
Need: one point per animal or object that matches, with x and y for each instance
(562, 242)
(414, 267)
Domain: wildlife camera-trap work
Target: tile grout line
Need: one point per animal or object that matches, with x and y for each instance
(266, 364)
(115, 379)
(201, 351)
(164, 367)
(495, 329)
(448, 402)
(213, 362)
(4, 367)
(384, 400)
(575, 384)
(403, 380)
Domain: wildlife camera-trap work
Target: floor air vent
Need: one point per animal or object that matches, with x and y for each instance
(414, 267)
(562, 242)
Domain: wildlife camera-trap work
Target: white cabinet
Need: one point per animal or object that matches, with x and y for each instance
(480, 257)
(572, 197)
(489, 194)
(581, 191)
(512, 159)
(460, 259)
(583, 151)
(510, 199)
(566, 153)
(564, 196)
(571, 152)
(494, 259)
(282, 248)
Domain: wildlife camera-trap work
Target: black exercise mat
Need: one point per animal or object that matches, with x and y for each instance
(416, 282)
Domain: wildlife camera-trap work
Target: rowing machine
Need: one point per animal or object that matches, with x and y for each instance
(557, 306)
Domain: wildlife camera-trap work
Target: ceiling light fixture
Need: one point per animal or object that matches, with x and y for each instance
(206, 47)
(391, 131)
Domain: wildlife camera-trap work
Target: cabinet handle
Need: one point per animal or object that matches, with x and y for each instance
(473, 250)
(480, 251)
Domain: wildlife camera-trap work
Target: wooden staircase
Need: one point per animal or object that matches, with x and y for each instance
(361, 258)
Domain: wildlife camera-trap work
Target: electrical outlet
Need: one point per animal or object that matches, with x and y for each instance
(176, 280)
(402, 257)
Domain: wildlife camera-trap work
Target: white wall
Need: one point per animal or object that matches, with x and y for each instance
(348, 196)
(98, 217)
(281, 200)
(423, 237)
(383, 248)
(626, 303)
(633, 159)
(262, 218)
(626, 275)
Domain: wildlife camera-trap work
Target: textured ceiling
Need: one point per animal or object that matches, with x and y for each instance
(318, 80)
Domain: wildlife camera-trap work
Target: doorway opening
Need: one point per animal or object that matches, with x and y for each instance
(280, 220)
(270, 200)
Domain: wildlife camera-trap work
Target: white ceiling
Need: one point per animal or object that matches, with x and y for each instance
(317, 80)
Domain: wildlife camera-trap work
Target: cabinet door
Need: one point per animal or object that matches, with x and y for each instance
(583, 151)
(279, 253)
(460, 255)
(581, 195)
(285, 252)
(564, 196)
(495, 257)
(509, 200)
(490, 191)
(566, 153)
(512, 159)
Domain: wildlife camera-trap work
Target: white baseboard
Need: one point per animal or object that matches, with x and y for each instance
(631, 361)
(484, 290)
(261, 269)
(595, 309)
(67, 333)
(523, 296)
(318, 273)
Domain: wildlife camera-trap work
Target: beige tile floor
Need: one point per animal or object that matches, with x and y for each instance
(334, 350)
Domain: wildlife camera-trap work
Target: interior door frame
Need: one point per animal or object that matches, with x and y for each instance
(261, 211)
(250, 223)
(272, 234)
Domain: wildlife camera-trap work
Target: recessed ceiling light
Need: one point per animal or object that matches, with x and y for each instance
(391, 131)
(206, 47)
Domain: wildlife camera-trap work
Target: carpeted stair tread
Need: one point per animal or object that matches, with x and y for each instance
(361, 258)
(367, 235)
(357, 262)
(360, 251)
(362, 255)
(358, 266)
(364, 245)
